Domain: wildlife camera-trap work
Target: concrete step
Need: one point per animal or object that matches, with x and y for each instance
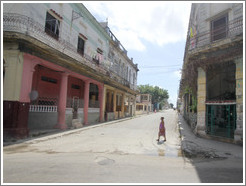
(76, 123)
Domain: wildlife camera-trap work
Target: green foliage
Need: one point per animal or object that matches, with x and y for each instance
(158, 95)
(194, 104)
(187, 90)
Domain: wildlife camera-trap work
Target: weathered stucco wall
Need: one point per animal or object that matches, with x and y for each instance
(238, 136)
(201, 99)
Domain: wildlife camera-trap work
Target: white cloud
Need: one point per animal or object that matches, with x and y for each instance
(132, 22)
(132, 38)
(177, 74)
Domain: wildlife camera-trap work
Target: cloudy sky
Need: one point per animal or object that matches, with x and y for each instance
(153, 33)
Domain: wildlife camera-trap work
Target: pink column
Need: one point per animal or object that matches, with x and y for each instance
(62, 102)
(86, 101)
(101, 95)
(27, 77)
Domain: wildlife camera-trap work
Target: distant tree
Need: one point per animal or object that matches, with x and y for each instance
(171, 105)
(158, 94)
(164, 104)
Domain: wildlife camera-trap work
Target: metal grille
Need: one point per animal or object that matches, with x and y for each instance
(221, 119)
(44, 104)
(71, 103)
(94, 104)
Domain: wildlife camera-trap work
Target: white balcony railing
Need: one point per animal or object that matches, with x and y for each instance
(42, 108)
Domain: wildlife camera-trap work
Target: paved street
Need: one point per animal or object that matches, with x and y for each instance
(115, 152)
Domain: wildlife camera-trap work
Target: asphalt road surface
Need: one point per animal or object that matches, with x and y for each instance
(118, 152)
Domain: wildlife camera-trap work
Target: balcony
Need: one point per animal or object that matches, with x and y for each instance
(216, 37)
(117, 42)
(32, 29)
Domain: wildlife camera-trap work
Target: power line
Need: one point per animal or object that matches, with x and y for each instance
(161, 72)
(164, 72)
(160, 66)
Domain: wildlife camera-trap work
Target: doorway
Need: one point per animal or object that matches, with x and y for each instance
(221, 120)
(75, 106)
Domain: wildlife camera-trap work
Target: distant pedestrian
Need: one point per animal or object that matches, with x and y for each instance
(162, 130)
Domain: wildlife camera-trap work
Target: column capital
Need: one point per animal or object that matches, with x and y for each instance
(33, 65)
(11, 58)
(238, 60)
(100, 86)
(65, 73)
(11, 53)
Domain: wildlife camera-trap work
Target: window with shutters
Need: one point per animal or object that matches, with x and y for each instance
(219, 28)
(52, 26)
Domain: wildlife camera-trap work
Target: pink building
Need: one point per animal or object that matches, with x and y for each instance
(56, 69)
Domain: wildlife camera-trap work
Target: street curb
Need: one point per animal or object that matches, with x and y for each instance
(189, 151)
(182, 141)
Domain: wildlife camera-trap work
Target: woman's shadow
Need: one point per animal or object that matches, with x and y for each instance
(160, 142)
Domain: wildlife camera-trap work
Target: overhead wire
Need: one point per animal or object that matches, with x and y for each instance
(159, 66)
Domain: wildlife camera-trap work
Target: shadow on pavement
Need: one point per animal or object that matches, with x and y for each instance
(214, 161)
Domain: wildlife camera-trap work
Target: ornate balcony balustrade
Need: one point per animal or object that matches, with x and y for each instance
(18, 23)
(117, 42)
(230, 30)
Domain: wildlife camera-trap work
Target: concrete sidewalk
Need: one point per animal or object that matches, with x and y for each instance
(197, 147)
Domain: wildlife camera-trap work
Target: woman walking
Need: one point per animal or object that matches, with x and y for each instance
(162, 130)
